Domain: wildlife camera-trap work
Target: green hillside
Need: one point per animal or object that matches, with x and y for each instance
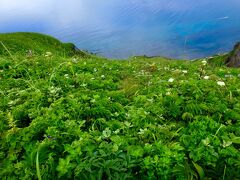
(94, 118)
(37, 43)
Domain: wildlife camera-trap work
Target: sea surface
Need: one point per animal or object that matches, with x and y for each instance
(122, 28)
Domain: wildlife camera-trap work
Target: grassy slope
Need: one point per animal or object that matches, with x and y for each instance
(38, 43)
(91, 117)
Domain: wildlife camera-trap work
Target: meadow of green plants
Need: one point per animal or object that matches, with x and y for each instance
(92, 118)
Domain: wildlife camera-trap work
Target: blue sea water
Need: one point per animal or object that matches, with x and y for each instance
(122, 28)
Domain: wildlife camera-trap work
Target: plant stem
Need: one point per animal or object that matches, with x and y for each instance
(7, 50)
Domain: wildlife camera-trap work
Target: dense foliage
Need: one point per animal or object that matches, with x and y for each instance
(91, 118)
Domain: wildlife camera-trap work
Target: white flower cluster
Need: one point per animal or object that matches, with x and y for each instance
(171, 80)
(221, 83)
(228, 76)
(206, 77)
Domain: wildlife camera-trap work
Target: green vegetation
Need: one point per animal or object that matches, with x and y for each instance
(93, 118)
(38, 44)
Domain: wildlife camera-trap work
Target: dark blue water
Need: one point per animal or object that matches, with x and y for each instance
(123, 28)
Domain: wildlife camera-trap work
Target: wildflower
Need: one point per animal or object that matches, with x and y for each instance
(228, 76)
(171, 80)
(74, 60)
(204, 62)
(66, 76)
(206, 77)
(185, 71)
(221, 83)
(48, 54)
(103, 76)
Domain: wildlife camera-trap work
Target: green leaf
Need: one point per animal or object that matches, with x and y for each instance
(236, 140)
(199, 170)
(37, 167)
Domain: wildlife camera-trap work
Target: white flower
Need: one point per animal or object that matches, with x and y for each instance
(185, 71)
(221, 83)
(66, 76)
(74, 60)
(48, 54)
(204, 62)
(171, 80)
(228, 76)
(206, 77)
